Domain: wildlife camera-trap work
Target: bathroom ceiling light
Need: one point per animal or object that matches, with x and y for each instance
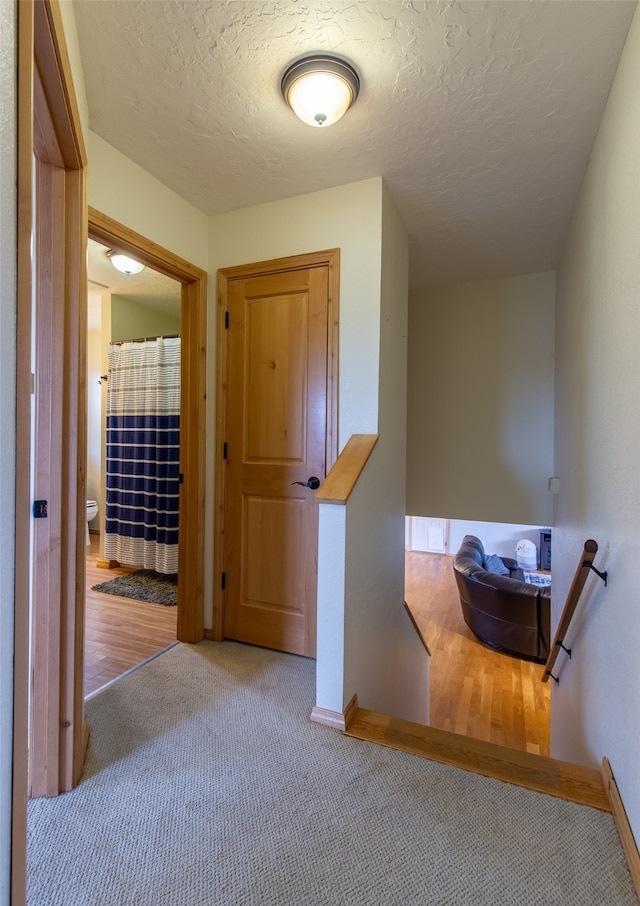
(124, 264)
(320, 89)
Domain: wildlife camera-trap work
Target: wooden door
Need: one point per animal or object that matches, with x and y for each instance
(276, 424)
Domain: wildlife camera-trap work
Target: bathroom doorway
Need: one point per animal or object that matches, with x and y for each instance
(120, 631)
(193, 315)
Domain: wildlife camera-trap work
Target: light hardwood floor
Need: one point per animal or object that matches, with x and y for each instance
(119, 632)
(475, 691)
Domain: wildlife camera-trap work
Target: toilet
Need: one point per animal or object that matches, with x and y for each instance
(92, 512)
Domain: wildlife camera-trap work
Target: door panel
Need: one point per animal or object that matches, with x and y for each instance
(276, 427)
(272, 526)
(275, 388)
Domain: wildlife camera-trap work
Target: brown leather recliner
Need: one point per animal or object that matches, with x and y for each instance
(503, 611)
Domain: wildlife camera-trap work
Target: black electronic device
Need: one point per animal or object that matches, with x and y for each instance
(545, 549)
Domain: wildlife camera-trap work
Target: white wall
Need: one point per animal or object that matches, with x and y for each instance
(366, 642)
(347, 217)
(596, 708)
(332, 584)
(497, 537)
(126, 192)
(8, 215)
(73, 53)
(130, 319)
(385, 662)
(480, 400)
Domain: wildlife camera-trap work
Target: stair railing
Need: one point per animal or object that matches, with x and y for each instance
(584, 566)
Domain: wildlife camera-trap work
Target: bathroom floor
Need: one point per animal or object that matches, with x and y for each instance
(120, 633)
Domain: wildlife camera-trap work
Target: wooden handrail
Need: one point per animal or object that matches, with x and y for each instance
(346, 470)
(586, 559)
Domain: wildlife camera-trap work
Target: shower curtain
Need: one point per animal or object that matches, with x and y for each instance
(143, 454)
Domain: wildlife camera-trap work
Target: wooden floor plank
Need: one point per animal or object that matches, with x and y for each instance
(120, 632)
(474, 689)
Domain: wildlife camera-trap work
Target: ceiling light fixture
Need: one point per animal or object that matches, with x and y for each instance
(124, 264)
(320, 88)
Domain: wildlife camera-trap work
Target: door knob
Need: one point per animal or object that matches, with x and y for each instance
(313, 483)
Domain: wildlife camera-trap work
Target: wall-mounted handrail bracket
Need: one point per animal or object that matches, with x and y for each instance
(603, 575)
(559, 644)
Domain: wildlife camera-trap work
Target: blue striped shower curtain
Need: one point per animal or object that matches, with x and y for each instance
(143, 454)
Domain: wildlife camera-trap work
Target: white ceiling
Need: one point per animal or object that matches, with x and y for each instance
(479, 115)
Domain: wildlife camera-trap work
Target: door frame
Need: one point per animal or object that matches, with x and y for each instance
(49, 127)
(329, 258)
(193, 326)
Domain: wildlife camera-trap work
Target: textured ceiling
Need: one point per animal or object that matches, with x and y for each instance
(479, 115)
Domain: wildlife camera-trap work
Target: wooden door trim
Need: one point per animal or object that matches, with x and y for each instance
(22, 461)
(52, 61)
(329, 258)
(74, 427)
(57, 742)
(106, 230)
(193, 321)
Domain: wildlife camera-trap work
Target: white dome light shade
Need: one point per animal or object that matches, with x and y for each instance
(124, 264)
(320, 89)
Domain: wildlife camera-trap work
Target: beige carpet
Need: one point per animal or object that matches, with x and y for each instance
(206, 783)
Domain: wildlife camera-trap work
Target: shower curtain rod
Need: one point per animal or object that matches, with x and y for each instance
(162, 336)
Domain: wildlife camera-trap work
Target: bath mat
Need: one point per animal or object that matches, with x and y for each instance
(143, 585)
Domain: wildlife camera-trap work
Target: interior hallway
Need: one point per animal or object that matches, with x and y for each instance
(475, 691)
(119, 632)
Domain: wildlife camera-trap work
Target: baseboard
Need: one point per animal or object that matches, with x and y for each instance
(622, 823)
(350, 711)
(107, 564)
(335, 719)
